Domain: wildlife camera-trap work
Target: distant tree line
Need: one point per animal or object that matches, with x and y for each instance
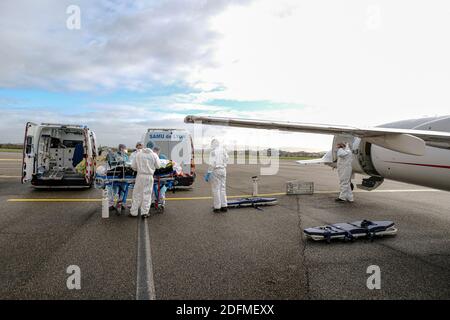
(11, 146)
(289, 154)
(281, 153)
(301, 154)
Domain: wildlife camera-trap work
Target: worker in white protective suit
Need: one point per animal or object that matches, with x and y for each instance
(145, 163)
(217, 174)
(344, 169)
(139, 146)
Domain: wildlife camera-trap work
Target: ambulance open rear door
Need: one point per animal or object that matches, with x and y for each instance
(29, 152)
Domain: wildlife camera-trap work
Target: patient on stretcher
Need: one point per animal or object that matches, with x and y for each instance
(168, 167)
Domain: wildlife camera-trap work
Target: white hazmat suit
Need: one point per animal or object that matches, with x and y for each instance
(344, 169)
(133, 155)
(145, 163)
(218, 160)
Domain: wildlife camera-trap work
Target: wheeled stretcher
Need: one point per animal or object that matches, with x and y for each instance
(126, 177)
(350, 231)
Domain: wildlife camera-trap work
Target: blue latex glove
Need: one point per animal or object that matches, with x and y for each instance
(207, 176)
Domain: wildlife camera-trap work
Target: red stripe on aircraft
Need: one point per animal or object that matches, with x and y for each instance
(422, 164)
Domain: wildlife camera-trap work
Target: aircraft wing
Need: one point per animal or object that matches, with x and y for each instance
(407, 141)
(326, 159)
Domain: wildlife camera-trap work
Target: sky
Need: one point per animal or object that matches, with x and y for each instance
(125, 66)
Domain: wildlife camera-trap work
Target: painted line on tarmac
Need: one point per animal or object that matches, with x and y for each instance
(10, 177)
(54, 200)
(17, 160)
(229, 197)
(383, 191)
(399, 190)
(208, 197)
(145, 285)
(99, 199)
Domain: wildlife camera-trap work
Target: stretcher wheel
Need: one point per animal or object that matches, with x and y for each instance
(160, 209)
(124, 210)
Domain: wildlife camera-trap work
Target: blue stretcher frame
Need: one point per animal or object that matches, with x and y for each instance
(350, 231)
(252, 202)
(168, 180)
(158, 183)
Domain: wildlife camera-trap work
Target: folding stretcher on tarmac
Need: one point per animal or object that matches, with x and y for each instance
(252, 202)
(255, 201)
(125, 176)
(351, 230)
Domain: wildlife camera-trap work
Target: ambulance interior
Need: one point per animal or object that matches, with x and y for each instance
(59, 152)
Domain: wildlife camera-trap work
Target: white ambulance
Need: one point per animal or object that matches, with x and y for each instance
(52, 153)
(176, 145)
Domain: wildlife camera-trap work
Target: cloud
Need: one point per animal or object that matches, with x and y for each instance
(121, 44)
(126, 123)
(323, 54)
(325, 58)
(112, 124)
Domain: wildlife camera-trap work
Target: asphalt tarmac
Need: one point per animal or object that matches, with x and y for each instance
(190, 253)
